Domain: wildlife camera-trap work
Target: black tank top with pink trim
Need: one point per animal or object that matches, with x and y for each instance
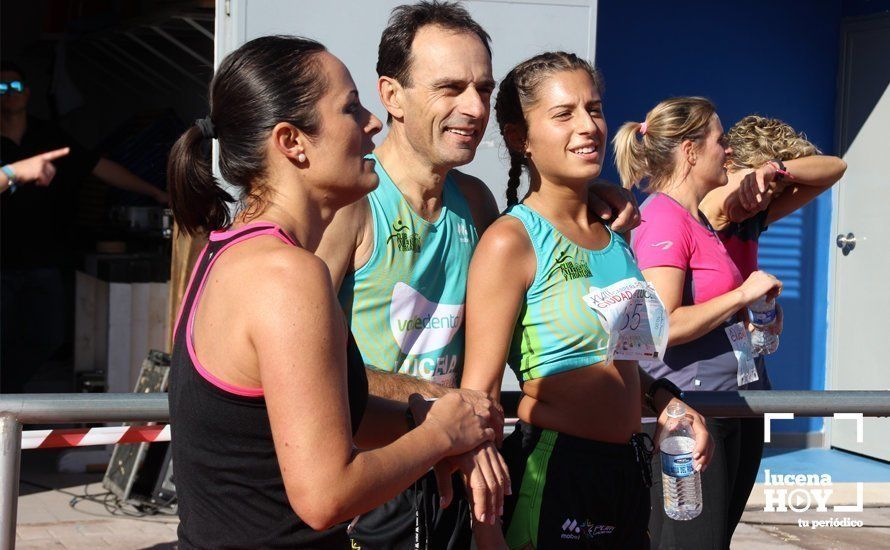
(231, 492)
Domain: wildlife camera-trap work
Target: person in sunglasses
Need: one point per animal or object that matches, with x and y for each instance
(35, 225)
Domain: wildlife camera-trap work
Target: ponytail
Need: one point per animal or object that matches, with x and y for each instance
(630, 157)
(268, 80)
(198, 202)
(646, 150)
(516, 162)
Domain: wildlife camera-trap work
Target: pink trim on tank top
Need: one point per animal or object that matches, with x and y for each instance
(271, 229)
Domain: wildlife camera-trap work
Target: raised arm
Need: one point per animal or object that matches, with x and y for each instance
(811, 176)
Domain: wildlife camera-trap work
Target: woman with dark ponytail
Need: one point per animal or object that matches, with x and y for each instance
(578, 461)
(268, 396)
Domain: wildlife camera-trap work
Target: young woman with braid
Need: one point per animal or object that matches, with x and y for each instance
(578, 462)
(680, 148)
(269, 402)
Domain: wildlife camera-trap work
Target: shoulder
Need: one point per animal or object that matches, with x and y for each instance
(278, 274)
(507, 236)
(479, 198)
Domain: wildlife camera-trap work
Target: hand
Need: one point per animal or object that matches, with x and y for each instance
(758, 188)
(777, 327)
(38, 168)
(759, 284)
(486, 477)
(489, 409)
(604, 199)
(733, 209)
(453, 417)
(704, 444)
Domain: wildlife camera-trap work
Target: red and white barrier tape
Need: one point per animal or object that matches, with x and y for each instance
(84, 437)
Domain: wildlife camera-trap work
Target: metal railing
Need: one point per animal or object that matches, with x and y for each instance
(16, 410)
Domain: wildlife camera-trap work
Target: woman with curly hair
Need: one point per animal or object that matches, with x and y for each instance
(743, 209)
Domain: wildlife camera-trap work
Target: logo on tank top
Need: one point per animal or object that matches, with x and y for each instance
(570, 268)
(420, 325)
(403, 238)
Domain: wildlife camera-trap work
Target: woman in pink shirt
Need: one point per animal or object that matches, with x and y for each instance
(680, 149)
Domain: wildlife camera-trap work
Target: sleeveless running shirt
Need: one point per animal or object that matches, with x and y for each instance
(556, 331)
(231, 492)
(406, 304)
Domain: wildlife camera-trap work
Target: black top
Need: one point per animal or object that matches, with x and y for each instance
(35, 220)
(231, 492)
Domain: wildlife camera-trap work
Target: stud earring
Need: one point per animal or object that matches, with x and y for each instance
(301, 158)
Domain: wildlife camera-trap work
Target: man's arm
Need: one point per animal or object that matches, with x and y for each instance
(399, 387)
(483, 207)
(116, 175)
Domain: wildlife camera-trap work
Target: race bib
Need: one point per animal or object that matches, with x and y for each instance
(741, 346)
(635, 318)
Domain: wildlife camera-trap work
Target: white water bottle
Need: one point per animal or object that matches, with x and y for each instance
(679, 479)
(763, 317)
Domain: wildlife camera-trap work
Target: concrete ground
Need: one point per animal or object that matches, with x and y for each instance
(47, 519)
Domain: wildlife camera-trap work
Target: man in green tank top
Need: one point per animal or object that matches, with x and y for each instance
(400, 256)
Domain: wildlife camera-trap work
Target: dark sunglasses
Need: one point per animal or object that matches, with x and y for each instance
(12, 86)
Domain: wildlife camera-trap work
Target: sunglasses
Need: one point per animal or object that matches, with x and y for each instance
(13, 86)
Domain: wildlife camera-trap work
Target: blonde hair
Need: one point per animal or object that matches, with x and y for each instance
(650, 154)
(756, 140)
(518, 92)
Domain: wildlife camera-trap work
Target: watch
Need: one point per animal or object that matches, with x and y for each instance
(661, 383)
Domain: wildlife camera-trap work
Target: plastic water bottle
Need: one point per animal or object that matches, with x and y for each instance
(679, 479)
(763, 317)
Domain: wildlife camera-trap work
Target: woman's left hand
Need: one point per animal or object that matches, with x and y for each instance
(704, 444)
(758, 188)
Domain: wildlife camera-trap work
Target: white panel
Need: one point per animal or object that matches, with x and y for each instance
(351, 30)
(858, 300)
(138, 329)
(119, 312)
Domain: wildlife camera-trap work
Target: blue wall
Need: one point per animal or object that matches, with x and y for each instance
(777, 58)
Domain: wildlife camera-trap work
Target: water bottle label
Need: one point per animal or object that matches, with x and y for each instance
(679, 466)
(763, 318)
(741, 347)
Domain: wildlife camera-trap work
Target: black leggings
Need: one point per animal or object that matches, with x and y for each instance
(726, 485)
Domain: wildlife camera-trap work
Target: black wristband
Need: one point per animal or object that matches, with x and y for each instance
(779, 174)
(409, 419)
(661, 383)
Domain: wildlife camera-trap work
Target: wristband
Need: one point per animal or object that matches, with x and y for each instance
(10, 173)
(781, 171)
(661, 383)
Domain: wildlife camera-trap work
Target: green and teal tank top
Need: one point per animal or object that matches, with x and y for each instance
(556, 331)
(405, 306)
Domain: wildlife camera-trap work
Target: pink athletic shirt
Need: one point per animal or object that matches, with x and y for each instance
(668, 236)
